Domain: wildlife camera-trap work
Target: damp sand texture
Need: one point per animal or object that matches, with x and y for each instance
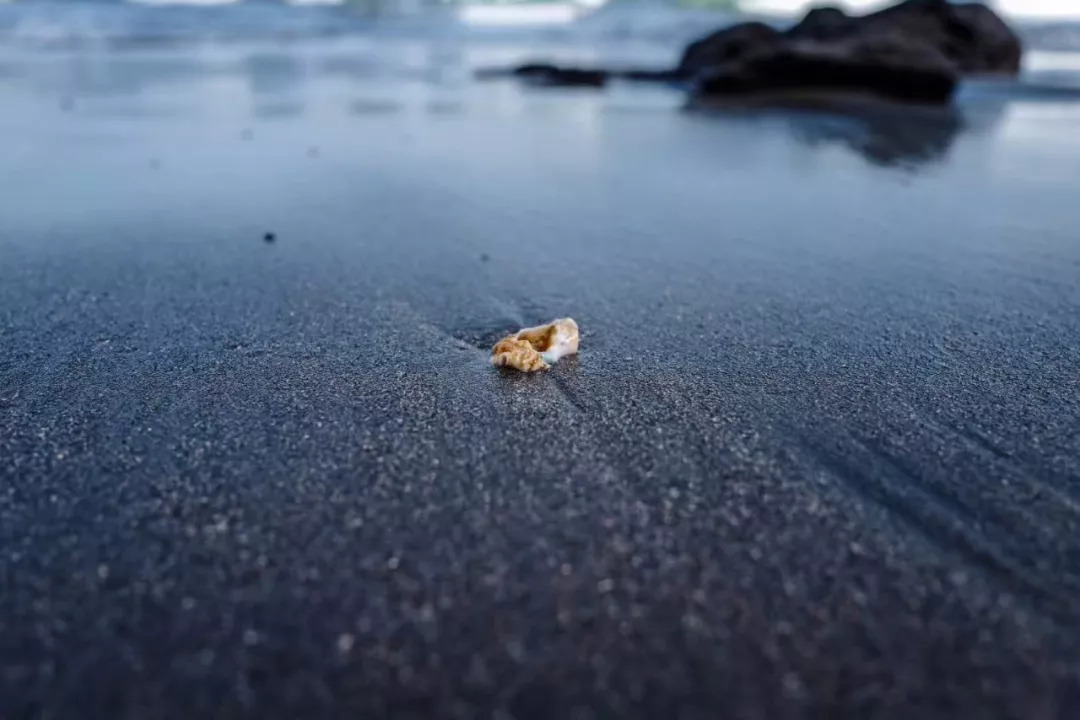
(818, 455)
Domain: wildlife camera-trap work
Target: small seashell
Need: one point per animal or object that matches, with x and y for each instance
(531, 349)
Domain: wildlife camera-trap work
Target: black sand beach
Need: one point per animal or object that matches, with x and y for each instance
(819, 455)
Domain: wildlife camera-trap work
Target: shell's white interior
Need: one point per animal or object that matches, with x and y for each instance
(565, 344)
(555, 345)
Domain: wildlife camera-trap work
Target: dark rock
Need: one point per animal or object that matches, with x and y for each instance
(983, 43)
(883, 66)
(823, 24)
(914, 51)
(639, 75)
(727, 45)
(555, 76)
(971, 36)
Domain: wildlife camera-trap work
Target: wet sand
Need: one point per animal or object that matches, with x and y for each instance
(819, 455)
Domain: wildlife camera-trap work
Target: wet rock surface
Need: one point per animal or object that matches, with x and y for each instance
(915, 51)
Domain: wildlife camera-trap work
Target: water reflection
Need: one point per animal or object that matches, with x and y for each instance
(890, 137)
(882, 134)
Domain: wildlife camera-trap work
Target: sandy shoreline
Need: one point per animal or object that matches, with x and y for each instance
(818, 452)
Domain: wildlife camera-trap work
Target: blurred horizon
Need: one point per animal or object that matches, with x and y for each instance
(1050, 9)
(1046, 25)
